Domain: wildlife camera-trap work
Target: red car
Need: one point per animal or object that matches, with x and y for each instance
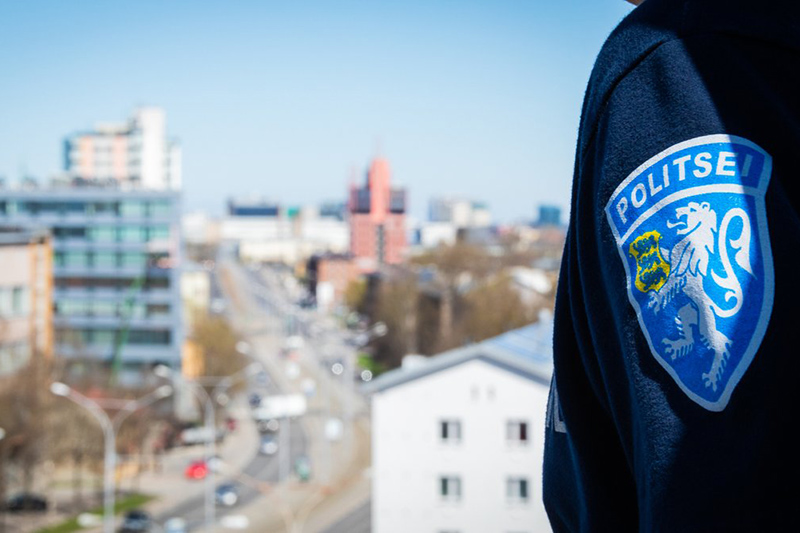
(197, 470)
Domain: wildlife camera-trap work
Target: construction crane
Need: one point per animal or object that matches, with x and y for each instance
(122, 333)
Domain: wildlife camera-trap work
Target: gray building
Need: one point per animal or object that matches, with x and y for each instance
(116, 269)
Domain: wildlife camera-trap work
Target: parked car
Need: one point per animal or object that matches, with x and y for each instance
(227, 495)
(136, 521)
(197, 470)
(175, 525)
(269, 446)
(26, 502)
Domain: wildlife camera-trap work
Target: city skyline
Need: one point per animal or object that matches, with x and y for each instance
(288, 101)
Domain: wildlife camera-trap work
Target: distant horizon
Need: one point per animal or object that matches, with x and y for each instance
(293, 101)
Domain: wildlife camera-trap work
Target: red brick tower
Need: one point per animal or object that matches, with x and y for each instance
(377, 219)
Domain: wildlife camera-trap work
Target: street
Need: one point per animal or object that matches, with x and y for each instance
(261, 306)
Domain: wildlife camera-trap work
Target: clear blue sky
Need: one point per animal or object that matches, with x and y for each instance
(286, 98)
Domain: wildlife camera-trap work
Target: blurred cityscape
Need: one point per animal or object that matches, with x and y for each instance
(337, 368)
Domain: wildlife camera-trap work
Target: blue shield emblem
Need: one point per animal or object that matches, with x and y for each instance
(691, 229)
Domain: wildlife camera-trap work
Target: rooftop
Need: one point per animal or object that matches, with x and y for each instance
(527, 351)
(11, 236)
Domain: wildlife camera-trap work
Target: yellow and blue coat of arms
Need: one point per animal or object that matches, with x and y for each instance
(691, 228)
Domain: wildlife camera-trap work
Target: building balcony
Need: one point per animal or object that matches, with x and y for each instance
(98, 293)
(115, 322)
(132, 272)
(129, 354)
(80, 244)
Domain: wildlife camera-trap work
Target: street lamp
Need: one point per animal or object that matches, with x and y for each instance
(379, 329)
(109, 426)
(166, 372)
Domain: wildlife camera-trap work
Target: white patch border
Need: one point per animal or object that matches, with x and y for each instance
(758, 194)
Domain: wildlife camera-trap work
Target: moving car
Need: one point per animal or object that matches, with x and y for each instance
(227, 495)
(269, 446)
(197, 470)
(268, 426)
(215, 463)
(254, 399)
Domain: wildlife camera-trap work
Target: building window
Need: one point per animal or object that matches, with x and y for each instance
(132, 208)
(5, 302)
(14, 301)
(103, 233)
(157, 310)
(104, 308)
(517, 431)
(156, 283)
(152, 337)
(72, 307)
(133, 259)
(71, 259)
(450, 488)
(69, 233)
(102, 208)
(160, 208)
(158, 233)
(104, 260)
(450, 431)
(131, 234)
(73, 207)
(517, 489)
(102, 337)
(19, 301)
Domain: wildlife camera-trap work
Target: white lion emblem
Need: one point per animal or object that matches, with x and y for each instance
(689, 264)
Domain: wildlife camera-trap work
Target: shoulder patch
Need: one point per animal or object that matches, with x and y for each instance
(691, 229)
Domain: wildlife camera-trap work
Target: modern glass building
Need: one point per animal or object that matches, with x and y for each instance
(116, 268)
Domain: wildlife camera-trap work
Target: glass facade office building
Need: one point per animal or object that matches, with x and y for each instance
(116, 268)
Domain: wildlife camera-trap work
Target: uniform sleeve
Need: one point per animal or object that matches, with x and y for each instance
(632, 448)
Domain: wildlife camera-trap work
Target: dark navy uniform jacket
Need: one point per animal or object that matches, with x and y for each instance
(677, 346)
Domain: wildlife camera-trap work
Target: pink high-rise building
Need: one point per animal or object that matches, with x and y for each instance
(377, 219)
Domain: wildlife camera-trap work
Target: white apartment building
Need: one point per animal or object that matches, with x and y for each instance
(265, 232)
(136, 153)
(458, 438)
(459, 212)
(433, 234)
